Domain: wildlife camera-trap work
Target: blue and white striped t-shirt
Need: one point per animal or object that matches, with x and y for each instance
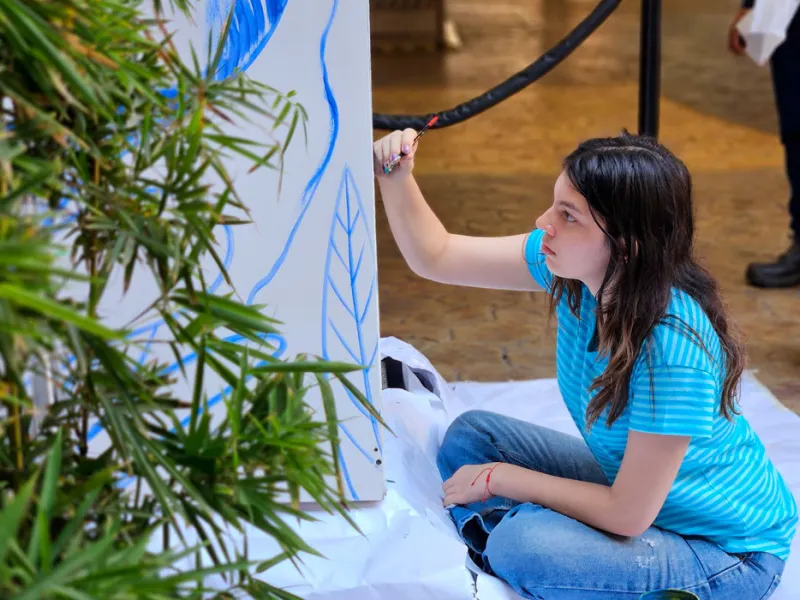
(727, 490)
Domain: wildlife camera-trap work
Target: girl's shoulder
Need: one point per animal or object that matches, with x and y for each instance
(684, 337)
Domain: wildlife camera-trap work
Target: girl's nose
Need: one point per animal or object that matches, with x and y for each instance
(543, 223)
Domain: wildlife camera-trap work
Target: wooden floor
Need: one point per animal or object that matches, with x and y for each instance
(493, 174)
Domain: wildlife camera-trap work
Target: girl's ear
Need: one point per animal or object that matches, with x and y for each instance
(624, 248)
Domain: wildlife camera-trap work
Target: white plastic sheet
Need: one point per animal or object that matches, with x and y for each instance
(410, 548)
(764, 27)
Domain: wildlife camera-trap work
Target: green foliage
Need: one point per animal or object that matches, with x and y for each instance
(84, 123)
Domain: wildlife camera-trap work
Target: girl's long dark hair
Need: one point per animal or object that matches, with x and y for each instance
(640, 195)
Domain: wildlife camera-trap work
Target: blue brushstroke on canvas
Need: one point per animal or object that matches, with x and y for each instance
(346, 473)
(249, 33)
(358, 446)
(313, 183)
(146, 350)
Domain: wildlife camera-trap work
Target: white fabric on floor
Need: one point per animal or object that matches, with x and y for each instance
(410, 548)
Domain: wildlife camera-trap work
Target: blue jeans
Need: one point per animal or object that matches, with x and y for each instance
(545, 555)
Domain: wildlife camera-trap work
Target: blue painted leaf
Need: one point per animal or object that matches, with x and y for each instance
(252, 26)
(349, 293)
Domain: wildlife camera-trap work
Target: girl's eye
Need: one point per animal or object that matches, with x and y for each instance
(569, 217)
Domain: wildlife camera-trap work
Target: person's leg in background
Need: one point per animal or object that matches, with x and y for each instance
(785, 64)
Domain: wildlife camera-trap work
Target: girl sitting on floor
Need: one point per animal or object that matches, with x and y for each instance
(669, 487)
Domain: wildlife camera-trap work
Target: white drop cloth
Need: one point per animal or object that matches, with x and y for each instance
(410, 548)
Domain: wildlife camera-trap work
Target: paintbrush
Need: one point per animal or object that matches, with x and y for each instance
(392, 164)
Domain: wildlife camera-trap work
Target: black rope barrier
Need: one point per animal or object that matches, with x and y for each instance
(537, 69)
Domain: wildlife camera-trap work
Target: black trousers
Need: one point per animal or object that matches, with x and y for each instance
(785, 66)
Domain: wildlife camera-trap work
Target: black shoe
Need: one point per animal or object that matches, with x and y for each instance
(784, 272)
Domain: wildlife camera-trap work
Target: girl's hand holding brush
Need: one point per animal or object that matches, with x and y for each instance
(395, 152)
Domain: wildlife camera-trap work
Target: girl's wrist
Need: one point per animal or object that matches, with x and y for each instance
(492, 479)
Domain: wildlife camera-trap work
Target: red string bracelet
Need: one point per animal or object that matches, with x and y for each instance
(486, 491)
(478, 475)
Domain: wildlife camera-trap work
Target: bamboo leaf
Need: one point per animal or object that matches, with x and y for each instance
(28, 26)
(268, 564)
(61, 574)
(290, 134)
(12, 514)
(58, 83)
(223, 38)
(234, 313)
(194, 132)
(306, 366)
(40, 539)
(361, 399)
(54, 310)
(75, 523)
(30, 183)
(198, 383)
(9, 152)
(329, 405)
(208, 245)
(29, 266)
(70, 593)
(199, 574)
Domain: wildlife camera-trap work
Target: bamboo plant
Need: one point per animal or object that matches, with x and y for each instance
(104, 174)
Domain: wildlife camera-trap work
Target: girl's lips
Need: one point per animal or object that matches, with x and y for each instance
(546, 249)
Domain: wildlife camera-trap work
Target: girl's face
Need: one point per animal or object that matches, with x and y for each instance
(574, 246)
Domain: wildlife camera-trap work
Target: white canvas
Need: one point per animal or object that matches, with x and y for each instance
(309, 255)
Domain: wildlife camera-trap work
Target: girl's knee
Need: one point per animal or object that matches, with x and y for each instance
(459, 437)
(470, 420)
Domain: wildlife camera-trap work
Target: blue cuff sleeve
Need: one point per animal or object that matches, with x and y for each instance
(535, 259)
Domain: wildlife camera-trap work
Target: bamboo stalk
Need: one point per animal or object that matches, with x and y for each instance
(7, 390)
(18, 436)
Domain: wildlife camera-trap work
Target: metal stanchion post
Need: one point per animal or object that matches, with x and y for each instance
(649, 67)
